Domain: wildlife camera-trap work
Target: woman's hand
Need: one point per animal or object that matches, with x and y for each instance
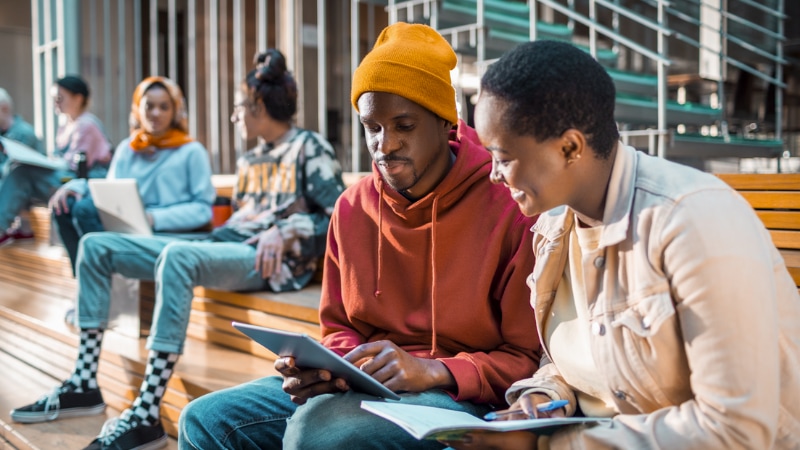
(523, 408)
(269, 251)
(527, 403)
(58, 201)
(398, 370)
(489, 440)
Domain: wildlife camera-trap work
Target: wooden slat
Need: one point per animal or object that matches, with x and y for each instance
(300, 305)
(780, 220)
(786, 239)
(39, 217)
(772, 200)
(762, 181)
(791, 257)
(795, 273)
(223, 314)
(241, 343)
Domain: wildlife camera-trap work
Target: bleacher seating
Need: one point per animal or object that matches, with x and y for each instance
(39, 348)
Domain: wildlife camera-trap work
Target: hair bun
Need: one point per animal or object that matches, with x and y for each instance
(270, 66)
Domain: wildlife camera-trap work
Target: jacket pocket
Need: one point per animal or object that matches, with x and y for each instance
(788, 435)
(645, 317)
(650, 346)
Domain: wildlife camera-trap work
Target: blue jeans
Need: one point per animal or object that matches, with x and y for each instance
(177, 266)
(82, 218)
(259, 415)
(24, 185)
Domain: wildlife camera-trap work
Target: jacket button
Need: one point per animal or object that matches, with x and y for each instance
(599, 262)
(598, 329)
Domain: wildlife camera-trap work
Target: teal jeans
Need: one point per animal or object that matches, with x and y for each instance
(176, 265)
(259, 415)
(25, 185)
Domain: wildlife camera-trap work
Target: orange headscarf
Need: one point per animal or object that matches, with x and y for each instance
(176, 136)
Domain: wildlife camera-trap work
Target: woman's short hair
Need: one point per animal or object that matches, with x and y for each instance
(549, 87)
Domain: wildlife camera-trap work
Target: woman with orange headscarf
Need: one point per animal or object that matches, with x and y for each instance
(171, 170)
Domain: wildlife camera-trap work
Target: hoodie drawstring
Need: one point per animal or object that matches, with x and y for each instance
(380, 242)
(434, 217)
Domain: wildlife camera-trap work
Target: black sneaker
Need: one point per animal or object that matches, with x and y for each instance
(127, 432)
(62, 402)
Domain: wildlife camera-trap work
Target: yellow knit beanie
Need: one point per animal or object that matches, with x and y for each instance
(414, 62)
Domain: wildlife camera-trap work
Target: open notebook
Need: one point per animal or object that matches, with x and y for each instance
(22, 154)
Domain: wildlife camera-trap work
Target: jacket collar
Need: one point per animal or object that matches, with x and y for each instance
(619, 200)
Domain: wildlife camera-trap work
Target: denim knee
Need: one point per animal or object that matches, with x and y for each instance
(178, 254)
(85, 216)
(92, 247)
(250, 415)
(191, 428)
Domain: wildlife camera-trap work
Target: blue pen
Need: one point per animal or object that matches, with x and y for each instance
(541, 407)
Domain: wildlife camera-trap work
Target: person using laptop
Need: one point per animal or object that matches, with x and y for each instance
(14, 127)
(424, 276)
(171, 169)
(286, 191)
(79, 137)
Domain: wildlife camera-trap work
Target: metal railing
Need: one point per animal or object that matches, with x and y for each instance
(659, 56)
(475, 36)
(721, 28)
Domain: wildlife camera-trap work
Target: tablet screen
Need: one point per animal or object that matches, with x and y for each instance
(309, 353)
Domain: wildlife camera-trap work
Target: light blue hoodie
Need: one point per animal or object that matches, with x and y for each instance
(175, 185)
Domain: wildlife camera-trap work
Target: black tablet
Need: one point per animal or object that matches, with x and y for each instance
(308, 353)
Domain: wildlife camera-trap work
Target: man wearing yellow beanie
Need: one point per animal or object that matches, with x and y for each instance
(424, 284)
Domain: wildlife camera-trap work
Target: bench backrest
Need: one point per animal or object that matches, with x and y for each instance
(776, 200)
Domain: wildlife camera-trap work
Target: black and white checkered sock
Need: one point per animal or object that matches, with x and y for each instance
(84, 377)
(159, 370)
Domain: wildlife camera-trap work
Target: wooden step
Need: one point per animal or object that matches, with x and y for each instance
(32, 331)
(36, 289)
(39, 218)
(23, 384)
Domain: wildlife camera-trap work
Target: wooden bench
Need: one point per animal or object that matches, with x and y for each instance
(776, 200)
(213, 310)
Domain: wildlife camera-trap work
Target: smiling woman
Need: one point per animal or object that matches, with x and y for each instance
(645, 277)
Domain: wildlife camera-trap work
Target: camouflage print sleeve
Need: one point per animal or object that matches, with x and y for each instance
(324, 184)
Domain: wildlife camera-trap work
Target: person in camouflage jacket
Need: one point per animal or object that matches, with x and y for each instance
(284, 197)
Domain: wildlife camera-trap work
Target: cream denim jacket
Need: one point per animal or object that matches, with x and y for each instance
(694, 318)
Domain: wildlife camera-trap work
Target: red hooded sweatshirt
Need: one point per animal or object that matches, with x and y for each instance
(442, 277)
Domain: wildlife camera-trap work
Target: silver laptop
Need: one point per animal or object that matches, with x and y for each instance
(120, 206)
(121, 209)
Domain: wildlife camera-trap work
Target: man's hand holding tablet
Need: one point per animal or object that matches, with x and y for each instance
(307, 353)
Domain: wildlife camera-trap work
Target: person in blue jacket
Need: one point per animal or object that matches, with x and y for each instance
(14, 127)
(80, 134)
(170, 167)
